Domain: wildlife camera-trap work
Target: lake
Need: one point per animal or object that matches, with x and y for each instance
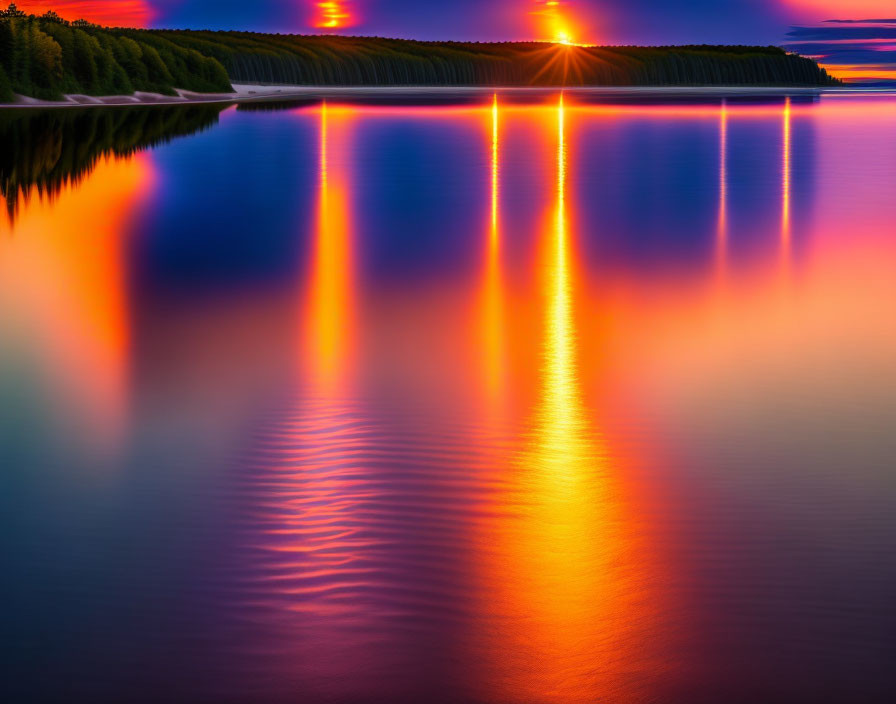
(524, 397)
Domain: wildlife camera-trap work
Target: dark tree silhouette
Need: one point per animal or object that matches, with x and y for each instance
(46, 149)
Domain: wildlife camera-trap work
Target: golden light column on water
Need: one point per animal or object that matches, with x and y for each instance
(491, 301)
(786, 181)
(330, 297)
(565, 607)
(494, 209)
(563, 577)
(559, 348)
(722, 223)
(309, 486)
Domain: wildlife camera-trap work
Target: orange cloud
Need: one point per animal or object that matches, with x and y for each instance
(847, 9)
(121, 13)
(860, 74)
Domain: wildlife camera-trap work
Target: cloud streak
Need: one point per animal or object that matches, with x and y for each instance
(122, 13)
(857, 51)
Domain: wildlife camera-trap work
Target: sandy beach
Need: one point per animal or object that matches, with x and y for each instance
(241, 93)
(258, 93)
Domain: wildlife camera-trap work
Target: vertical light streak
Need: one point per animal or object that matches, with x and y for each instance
(559, 353)
(558, 590)
(494, 209)
(564, 593)
(309, 531)
(785, 182)
(491, 299)
(330, 298)
(722, 224)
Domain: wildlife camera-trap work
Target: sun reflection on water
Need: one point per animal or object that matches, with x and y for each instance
(560, 463)
(545, 544)
(785, 182)
(330, 298)
(722, 222)
(561, 580)
(310, 461)
(491, 299)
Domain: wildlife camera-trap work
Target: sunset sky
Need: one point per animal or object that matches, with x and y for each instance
(860, 48)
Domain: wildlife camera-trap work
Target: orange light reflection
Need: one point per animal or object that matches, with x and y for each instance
(722, 224)
(61, 265)
(330, 299)
(491, 299)
(309, 459)
(558, 577)
(785, 183)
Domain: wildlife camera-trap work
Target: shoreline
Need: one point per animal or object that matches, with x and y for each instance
(250, 93)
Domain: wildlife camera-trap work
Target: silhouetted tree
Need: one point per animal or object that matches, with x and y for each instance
(46, 149)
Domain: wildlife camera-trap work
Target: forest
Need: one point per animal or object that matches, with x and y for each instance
(46, 57)
(373, 61)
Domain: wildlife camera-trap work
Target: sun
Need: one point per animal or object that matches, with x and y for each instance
(555, 22)
(332, 14)
(563, 37)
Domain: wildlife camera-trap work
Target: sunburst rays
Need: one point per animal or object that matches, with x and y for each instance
(562, 64)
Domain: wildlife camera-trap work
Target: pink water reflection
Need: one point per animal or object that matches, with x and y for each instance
(595, 455)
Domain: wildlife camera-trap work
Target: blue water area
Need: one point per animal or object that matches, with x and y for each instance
(480, 398)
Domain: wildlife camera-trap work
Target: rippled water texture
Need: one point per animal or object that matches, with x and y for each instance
(563, 400)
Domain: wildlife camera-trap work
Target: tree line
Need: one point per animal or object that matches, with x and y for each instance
(47, 56)
(373, 61)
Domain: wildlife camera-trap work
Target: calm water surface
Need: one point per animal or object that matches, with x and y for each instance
(564, 401)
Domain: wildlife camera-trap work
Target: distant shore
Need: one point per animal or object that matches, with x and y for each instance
(261, 93)
(54, 61)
